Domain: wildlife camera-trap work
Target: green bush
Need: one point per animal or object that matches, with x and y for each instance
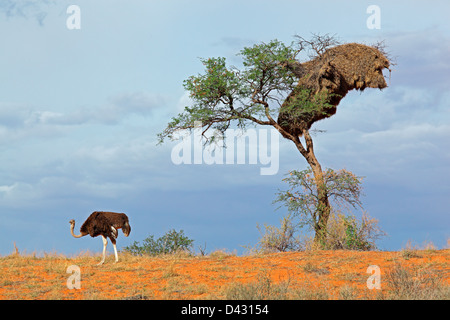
(349, 233)
(354, 239)
(343, 232)
(171, 242)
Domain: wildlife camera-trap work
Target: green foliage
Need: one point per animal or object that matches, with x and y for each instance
(253, 94)
(171, 242)
(304, 105)
(264, 71)
(217, 85)
(353, 240)
(350, 233)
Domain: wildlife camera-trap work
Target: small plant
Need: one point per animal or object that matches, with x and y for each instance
(310, 268)
(281, 239)
(408, 254)
(221, 254)
(347, 293)
(420, 284)
(410, 251)
(171, 242)
(264, 288)
(354, 237)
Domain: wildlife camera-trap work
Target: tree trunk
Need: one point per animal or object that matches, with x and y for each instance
(323, 205)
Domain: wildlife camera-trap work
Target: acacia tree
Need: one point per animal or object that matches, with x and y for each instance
(253, 95)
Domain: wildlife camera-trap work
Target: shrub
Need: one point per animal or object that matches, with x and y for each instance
(344, 232)
(303, 198)
(349, 233)
(281, 239)
(420, 284)
(264, 288)
(171, 242)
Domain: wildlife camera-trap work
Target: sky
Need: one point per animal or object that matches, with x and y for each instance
(80, 110)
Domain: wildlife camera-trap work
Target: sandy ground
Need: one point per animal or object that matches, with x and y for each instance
(220, 275)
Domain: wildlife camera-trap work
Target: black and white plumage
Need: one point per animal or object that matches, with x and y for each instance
(105, 224)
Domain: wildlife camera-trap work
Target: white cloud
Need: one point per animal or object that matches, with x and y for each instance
(26, 9)
(398, 152)
(113, 111)
(422, 59)
(6, 189)
(19, 122)
(410, 134)
(17, 194)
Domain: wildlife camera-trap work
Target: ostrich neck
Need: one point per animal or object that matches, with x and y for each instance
(73, 234)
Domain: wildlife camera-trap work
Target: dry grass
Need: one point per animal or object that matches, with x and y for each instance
(423, 274)
(416, 283)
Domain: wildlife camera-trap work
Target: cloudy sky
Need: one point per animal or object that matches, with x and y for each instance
(80, 110)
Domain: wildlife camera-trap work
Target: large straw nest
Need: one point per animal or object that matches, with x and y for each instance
(337, 71)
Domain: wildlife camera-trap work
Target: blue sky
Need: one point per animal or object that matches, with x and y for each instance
(80, 110)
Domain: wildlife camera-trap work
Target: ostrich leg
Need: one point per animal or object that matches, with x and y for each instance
(113, 241)
(105, 242)
(115, 253)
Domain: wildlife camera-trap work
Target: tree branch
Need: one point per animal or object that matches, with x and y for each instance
(309, 142)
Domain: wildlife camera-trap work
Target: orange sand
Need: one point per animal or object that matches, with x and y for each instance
(205, 277)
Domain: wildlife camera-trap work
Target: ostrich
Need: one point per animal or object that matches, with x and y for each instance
(105, 224)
